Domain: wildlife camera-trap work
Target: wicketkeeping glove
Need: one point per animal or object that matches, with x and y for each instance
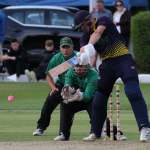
(67, 92)
(77, 96)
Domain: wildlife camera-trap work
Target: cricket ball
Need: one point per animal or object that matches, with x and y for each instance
(10, 98)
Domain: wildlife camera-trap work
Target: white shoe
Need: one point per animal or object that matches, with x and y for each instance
(38, 132)
(144, 134)
(91, 137)
(103, 134)
(33, 76)
(121, 138)
(28, 74)
(59, 138)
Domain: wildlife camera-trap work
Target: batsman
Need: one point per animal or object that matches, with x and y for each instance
(104, 39)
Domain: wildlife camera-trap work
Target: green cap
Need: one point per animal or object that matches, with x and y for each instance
(66, 41)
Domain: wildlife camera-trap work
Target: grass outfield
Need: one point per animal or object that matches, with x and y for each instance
(18, 119)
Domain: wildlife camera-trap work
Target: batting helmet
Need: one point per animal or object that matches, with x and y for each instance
(80, 17)
(83, 66)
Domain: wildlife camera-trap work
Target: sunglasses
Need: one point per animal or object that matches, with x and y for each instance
(118, 5)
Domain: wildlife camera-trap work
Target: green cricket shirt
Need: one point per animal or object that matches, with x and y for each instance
(87, 84)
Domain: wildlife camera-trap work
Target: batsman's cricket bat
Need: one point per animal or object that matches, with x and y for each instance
(54, 72)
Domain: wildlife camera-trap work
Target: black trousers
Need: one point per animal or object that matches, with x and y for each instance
(18, 66)
(110, 70)
(49, 106)
(67, 113)
(40, 71)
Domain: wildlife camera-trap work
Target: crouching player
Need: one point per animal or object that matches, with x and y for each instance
(78, 92)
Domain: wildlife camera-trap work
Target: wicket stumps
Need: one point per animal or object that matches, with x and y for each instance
(116, 106)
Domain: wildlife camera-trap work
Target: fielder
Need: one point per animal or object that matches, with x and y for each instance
(78, 92)
(116, 62)
(54, 97)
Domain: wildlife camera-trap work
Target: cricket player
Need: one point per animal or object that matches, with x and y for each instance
(78, 92)
(105, 40)
(54, 97)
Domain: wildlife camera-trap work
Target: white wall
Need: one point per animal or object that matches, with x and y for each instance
(92, 4)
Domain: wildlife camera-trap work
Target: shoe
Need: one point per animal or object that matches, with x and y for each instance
(121, 138)
(103, 134)
(33, 76)
(28, 74)
(38, 132)
(59, 138)
(144, 134)
(91, 137)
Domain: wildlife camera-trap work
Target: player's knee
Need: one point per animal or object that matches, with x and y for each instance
(105, 90)
(133, 91)
(99, 101)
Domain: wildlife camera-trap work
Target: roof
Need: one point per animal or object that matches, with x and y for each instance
(36, 7)
(143, 3)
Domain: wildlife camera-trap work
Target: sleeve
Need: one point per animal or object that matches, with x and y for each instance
(84, 39)
(23, 54)
(126, 20)
(105, 21)
(128, 17)
(51, 64)
(90, 89)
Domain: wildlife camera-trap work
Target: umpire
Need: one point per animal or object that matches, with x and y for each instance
(54, 97)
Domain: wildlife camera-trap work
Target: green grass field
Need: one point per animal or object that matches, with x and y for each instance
(18, 119)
